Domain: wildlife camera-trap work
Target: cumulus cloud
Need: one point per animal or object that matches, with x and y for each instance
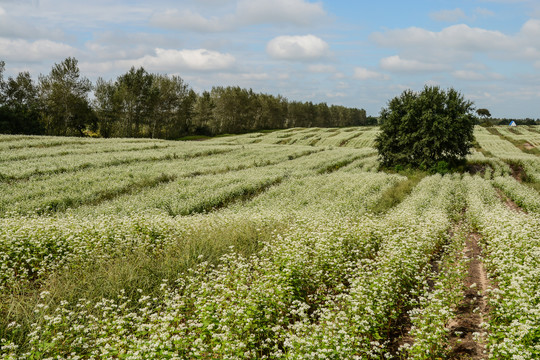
(460, 43)
(361, 73)
(448, 15)
(456, 37)
(248, 12)
(24, 50)
(303, 48)
(199, 59)
(397, 64)
(297, 12)
(169, 61)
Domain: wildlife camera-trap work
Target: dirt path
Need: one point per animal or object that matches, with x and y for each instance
(465, 330)
(509, 202)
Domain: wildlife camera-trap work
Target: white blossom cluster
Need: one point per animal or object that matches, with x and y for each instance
(523, 195)
(512, 255)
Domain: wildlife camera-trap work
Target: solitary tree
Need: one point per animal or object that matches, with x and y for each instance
(484, 113)
(421, 129)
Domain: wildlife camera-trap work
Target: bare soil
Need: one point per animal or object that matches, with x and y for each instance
(477, 169)
(518, 172)
(528, 146)
(509, 202)
(472, 311)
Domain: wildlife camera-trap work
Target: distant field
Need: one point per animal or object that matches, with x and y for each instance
(278, 245)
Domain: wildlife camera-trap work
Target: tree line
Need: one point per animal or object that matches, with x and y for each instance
(143, 104)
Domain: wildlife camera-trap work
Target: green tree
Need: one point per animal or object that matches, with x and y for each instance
(107, 107)
(19, 105)
(173, 108)
(2, 82)
(137, 96)
(424, 128)
(484, 113)
(203, 116)
(64, 94)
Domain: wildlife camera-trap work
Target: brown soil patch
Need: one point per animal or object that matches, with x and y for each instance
(509, 202)
(518, 172)
(472, 310)
(529, 146)
(477, 169)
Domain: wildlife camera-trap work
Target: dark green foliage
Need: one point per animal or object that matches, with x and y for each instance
(19, 105)
(395, 194)
(431, 130)
(483, 113)
(141, 104)
(64, 97)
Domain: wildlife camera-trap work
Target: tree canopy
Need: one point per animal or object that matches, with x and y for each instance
(142, 104)
(421, 129)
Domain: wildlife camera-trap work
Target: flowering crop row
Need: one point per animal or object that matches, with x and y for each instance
(524, 196)
(329, 285)
(512, 255)
(55, 192)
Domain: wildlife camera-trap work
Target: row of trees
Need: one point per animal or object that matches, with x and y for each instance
(142, 104)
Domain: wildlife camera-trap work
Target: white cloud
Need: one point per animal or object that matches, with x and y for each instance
(448, 15)
(321, 68)
(297, 12)
(308, 47)
(171, 59)
(365, 74)
(461, 43)
(453, 38)
(248, 12)
(397, 64)
(24, 50)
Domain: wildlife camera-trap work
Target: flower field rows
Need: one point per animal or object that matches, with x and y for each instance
(257, 246)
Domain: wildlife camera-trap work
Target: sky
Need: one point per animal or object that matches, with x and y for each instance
(353, 53)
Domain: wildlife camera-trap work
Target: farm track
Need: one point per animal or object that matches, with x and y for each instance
(472, 311)
(509, 202)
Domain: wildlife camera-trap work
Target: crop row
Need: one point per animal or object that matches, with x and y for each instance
(331, 284)
(512, 253)
(56, 192)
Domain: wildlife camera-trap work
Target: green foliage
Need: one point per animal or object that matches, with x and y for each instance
(483, 113)
(142, 104)
(19, 105)
(64, 95)
(422, 129)
(395, 194)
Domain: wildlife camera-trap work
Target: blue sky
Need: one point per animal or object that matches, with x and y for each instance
(353, 53)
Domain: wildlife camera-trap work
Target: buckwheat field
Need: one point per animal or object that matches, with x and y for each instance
(278, 245)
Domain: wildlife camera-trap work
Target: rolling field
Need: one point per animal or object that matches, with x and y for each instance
(278, 245)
